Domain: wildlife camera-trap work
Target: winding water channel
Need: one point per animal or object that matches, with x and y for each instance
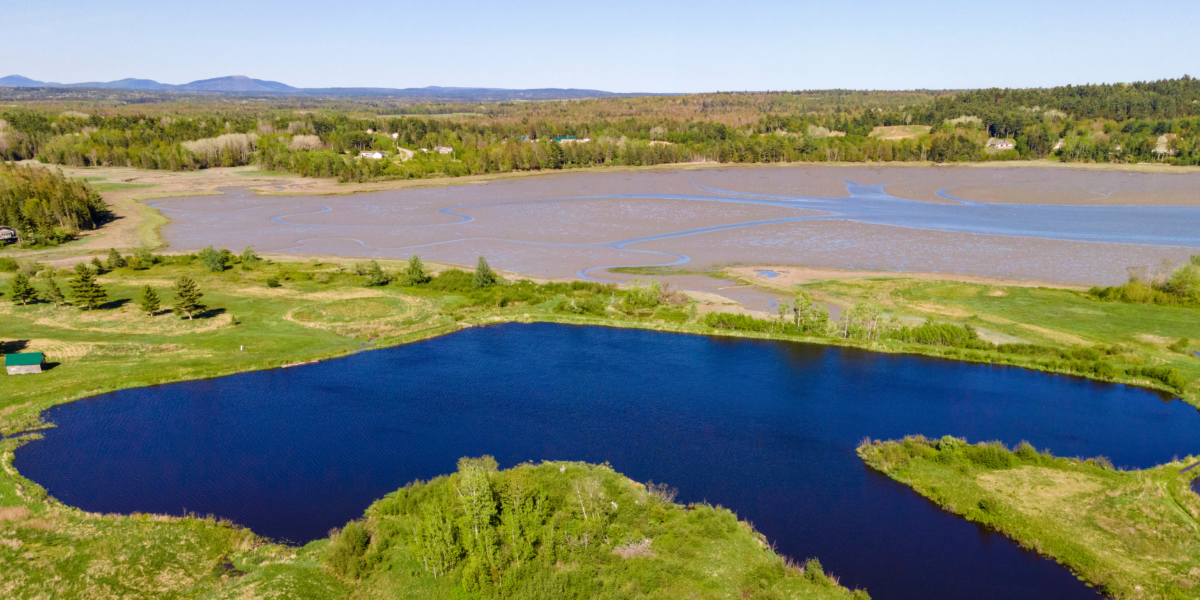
(765, 428)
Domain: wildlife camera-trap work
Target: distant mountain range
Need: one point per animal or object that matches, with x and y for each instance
(239, 84)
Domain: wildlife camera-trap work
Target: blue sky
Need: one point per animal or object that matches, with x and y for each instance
(621, 45)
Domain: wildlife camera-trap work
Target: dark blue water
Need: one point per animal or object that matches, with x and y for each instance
(765, 428)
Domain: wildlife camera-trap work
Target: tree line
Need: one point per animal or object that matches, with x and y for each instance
(46, 207)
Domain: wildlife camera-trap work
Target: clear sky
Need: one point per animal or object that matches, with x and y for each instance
(617, 45)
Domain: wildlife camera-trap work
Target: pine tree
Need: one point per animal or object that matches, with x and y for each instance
(21, 290)
(149, 301)
(88, 294)
(375, 275)
(416, 274)
(115, 260)
(53, 294)
(484, 275)
(189, 297)
(99, 266)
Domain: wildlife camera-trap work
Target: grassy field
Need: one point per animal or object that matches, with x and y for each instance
(565, 530)
(1128, 335)
(899, 132)
(1133, 534)
(323, 309)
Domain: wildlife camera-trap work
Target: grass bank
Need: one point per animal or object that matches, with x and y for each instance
(277, 312)
(1133, 534)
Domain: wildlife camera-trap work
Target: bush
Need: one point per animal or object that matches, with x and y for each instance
(346, 553)
(1163, 374)
(273, 282)
(8, 265)
(993, 455)
(452, 280)
(941, 334)
(213, 259)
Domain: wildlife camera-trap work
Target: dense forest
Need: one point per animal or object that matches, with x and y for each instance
(44, 206)
(1141, 122)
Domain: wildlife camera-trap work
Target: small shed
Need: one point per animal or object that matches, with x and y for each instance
(443, 149)
(8, 234)
(24, 363)
(373, 154)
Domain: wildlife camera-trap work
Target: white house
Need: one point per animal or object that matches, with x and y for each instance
(8, 234)
(443, 149)
(1000, 144)
(376, 154)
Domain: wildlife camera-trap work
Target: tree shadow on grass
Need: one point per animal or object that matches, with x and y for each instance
(206, 314)
(118, 303)
(13, 346)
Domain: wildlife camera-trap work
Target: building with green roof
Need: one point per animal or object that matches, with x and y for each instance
(24, 363)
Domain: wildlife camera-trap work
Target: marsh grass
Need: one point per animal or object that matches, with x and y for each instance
(1130, 533)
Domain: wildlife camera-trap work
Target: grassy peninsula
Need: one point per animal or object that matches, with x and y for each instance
(1133, 534)
(562, 530)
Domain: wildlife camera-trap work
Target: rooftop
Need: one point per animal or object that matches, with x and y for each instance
(21, 360)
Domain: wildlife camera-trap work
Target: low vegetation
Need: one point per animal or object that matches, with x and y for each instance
(130, 326)
(559, 530)
(1130, 533)
(1168, 286)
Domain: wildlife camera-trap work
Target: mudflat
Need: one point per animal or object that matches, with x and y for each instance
(1076, 226)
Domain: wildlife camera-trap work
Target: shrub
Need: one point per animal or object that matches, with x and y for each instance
(346, 553)
(993, 455)
(452, 280)
(1163, 374)
(8, 265)
(273, 282)
(989, 505)
(1026, 452)
(213, 259)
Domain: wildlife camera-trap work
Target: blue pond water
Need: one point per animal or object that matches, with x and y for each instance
(768, 274)
(765, 428)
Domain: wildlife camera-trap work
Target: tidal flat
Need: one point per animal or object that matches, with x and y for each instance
(1050, 224)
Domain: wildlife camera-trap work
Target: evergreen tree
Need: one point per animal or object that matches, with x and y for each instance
(149, 301)
(88, 294)
(21, 290)
(416, 273)
(375, 275)
(115, 261)
(99, 266)
(53, 294)
(189, 297)
(484, 275)
(212, 259)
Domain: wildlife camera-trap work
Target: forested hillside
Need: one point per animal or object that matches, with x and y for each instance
(46, 207)
(1128, 123)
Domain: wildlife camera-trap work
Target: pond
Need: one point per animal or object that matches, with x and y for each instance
(765, 428)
